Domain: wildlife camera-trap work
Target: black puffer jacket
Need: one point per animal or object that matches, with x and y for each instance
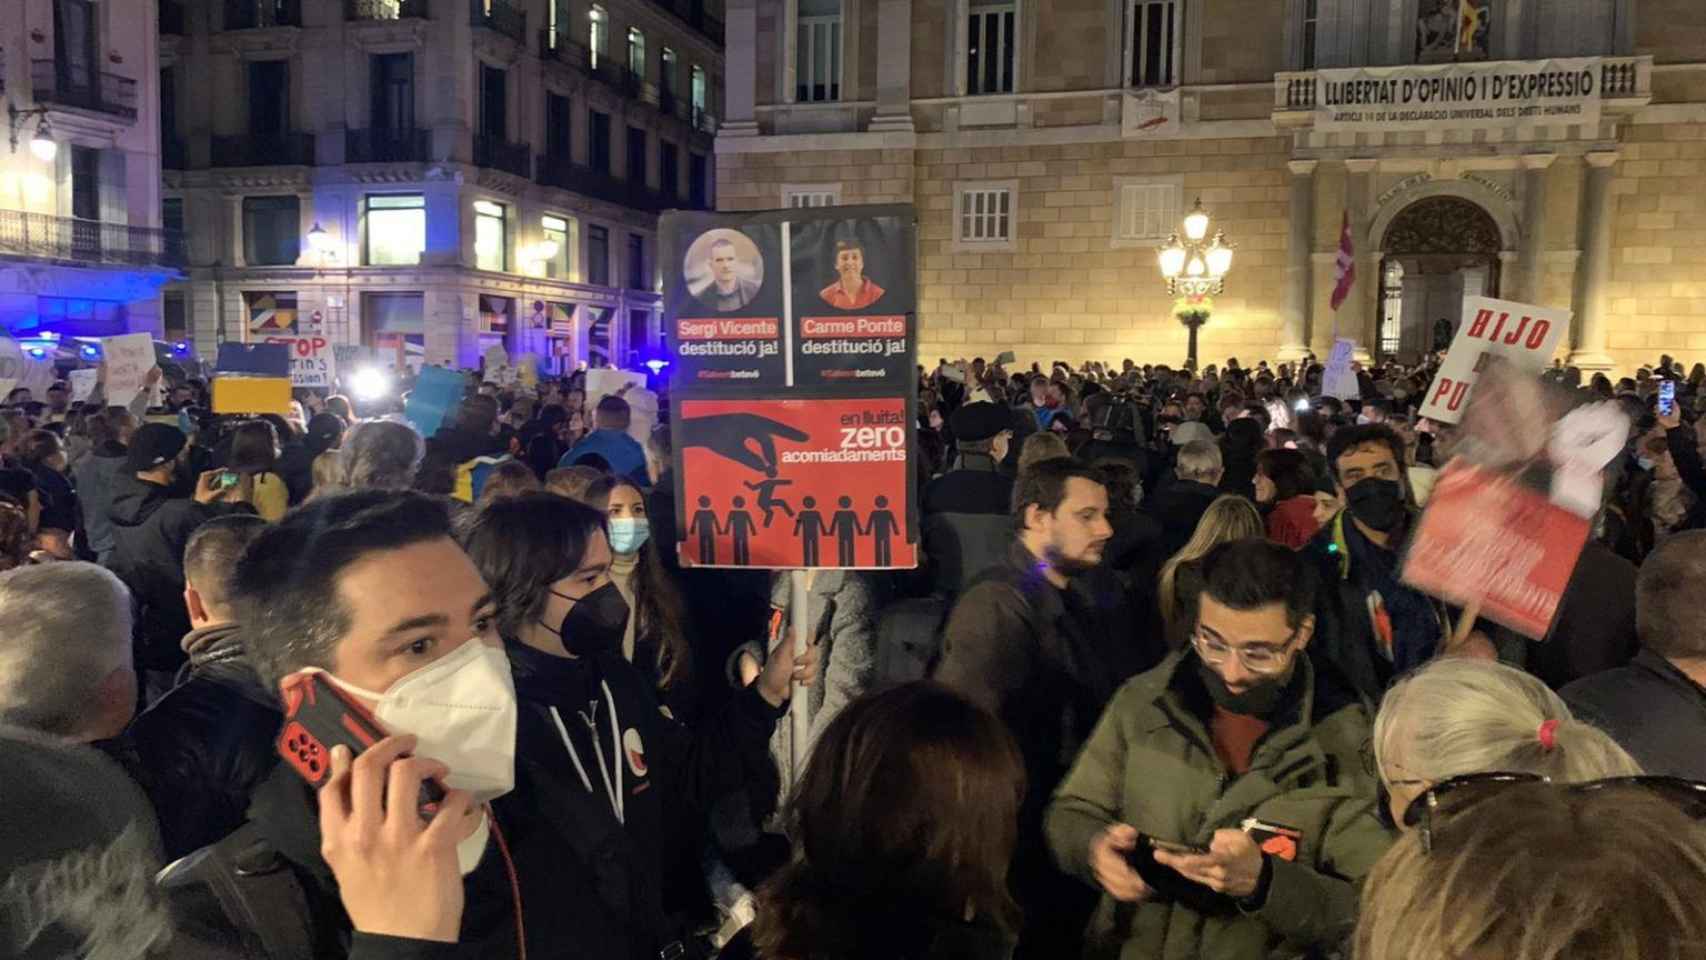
(201, 750)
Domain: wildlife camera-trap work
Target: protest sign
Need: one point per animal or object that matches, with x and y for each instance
(245, 394)
(793, 360)
(1339, 380)
(83, 384)
(313, 360)
(496, 364)
(437, 392)
(254, 359)
(1510, 514)
(129, 358)
(795, 483)
(1523, 334)
(1454, 96)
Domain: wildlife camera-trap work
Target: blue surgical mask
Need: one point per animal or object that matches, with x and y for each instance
(629, 534)
(1646, 463)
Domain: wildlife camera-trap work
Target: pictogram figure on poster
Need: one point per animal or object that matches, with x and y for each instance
(808, 527)
(881, 526)
(845, 523)
(741, 528)
(767, 499)
(705, 524)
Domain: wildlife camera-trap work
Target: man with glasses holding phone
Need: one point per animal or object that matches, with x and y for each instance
(1245, 749)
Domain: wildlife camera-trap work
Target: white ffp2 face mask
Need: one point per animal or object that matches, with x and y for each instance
(461, 708)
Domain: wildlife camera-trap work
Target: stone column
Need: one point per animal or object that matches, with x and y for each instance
(1534, 167)
(1359, 316)
(1595, 271)
(740, 70)
(1294, 335)
(894, 67)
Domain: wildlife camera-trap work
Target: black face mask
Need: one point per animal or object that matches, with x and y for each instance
(1378, 503)
(1262, 700)
(595, 624)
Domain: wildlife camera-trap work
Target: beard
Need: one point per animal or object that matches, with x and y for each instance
(1072, 566)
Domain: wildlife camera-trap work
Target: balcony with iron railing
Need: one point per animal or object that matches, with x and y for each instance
(1621, 82)
(262, 14)
(387, 146)
(567, 175)
(502, 16)
(264, 150)
(385, 10)
(41, 236)
(515, 159)
(171, 18)
(56, 85)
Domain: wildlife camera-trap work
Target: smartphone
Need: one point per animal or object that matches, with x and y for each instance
(227, 479)
(1168, 846)
(318, 717)
(1667, 397)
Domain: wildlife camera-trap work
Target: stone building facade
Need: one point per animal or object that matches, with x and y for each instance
(434, 178)
(1050, 147)
(81, 249)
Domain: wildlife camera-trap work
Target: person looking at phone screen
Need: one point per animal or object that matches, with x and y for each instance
(1240, 743)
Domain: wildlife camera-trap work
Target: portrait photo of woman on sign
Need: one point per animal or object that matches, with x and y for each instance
(852, 290)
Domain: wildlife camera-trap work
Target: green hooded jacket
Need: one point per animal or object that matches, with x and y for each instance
(1151, 763)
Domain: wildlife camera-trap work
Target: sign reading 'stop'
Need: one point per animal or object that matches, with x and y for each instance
(796, 299)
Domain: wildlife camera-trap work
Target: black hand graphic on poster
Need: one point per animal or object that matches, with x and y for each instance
(728, 435)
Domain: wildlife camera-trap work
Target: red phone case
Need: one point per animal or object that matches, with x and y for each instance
(317, 717)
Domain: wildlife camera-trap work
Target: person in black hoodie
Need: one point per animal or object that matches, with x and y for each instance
(202, 748)
(153, 517)
(642, 783)
(296, 464)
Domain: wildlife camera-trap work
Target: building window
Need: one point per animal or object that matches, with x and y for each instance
(811, 195)
(984, 214)
(637, 262)
(666, 79)
(1152, 28)
(269, 97)
(639, 335)
(174, 315)
(992, 42)
(598, 256)
(817, 53)
(1311, 21)
(598, 34)
(489, 246)
(393, 104)
(559, 231)
(698, 182)
(395, 231)
(637, 53)
(172, 213)
(272, 231)
(1145, 210)
(557, 123)
(1392, 314)
(637, 155)
(669, 169)
(494, 103)
(599, 142)
(700, 92)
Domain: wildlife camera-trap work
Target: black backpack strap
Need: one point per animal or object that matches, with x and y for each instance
(256, 889)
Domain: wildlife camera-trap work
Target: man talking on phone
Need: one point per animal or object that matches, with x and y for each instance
(1221, 805)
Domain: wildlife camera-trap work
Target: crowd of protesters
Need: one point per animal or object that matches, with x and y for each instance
(1158, 688)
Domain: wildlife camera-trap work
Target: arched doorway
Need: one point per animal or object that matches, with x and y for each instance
(1435, 252)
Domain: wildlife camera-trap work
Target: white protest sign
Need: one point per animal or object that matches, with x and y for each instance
(83, 384)
(313, 360)
(1525, 335)
(642, 403)
(129, 358)
(497, 364)
(1339, 380)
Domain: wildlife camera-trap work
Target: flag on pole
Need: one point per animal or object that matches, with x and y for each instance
(1346, 275)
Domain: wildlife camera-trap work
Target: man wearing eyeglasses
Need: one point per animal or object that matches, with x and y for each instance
(1221, 806)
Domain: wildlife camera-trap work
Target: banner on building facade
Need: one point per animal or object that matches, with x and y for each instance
(1524, 334)
(793, 348)
(1458, 95)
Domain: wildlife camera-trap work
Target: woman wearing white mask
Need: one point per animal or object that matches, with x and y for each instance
(655, 639)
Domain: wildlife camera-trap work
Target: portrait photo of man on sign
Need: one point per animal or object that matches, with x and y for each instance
(852, 290)
(724, 270)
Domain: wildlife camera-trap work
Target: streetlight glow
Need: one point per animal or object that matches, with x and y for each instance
(1196, 222)
(43, 145)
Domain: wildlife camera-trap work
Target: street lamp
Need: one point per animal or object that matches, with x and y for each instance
(1195, 271)
(42, 143)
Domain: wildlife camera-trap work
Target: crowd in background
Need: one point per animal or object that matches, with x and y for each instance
(1158, 688)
